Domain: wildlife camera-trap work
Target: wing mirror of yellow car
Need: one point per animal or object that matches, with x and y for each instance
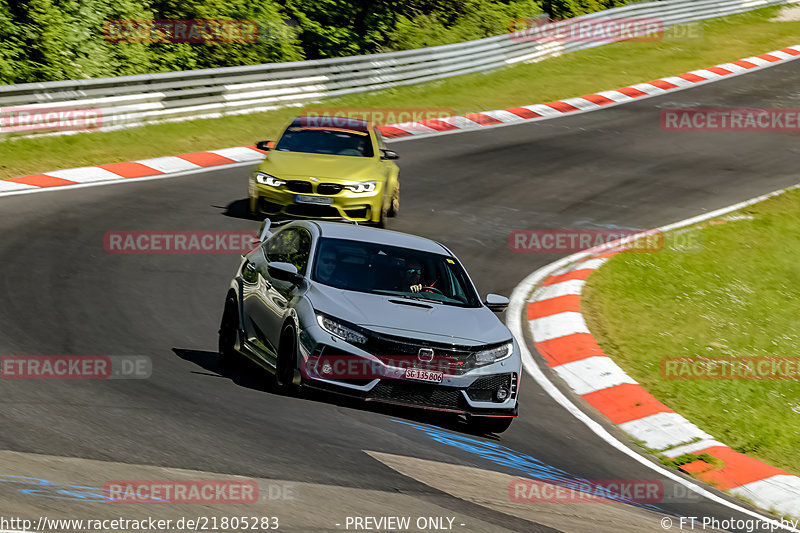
(265, 146)
(389, 154)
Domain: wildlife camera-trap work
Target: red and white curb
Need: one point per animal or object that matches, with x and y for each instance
(169, 166)
(143, 168)
(549, 300)
(589, 102)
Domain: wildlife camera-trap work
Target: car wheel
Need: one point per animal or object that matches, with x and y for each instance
(381, 223)
(283, 379)
(228, 330)
(489, 424)
(394, 206)
(252, 208)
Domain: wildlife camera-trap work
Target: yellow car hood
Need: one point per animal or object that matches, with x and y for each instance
(334, 167)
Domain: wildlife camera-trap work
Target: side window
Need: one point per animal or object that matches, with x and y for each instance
(291, 245)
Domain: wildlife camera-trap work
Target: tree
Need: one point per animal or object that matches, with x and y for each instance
(563, 9)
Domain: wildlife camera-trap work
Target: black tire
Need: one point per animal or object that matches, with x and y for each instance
(394, 205)
(490, 424)
(283, 379)
(228, 332)
(381, 223)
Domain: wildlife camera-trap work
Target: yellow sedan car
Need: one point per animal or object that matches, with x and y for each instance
(327, 168)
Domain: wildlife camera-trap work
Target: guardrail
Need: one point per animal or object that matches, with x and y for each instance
(131, 101)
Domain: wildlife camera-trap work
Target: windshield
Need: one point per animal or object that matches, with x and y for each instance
(331, 141)
(393, 271)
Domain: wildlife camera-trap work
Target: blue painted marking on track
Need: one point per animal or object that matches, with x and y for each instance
(34, 486)
(534, 468)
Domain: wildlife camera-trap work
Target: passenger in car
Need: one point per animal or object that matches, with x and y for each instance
(326, 267)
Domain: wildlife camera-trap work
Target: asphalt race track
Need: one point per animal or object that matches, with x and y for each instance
(64, 295)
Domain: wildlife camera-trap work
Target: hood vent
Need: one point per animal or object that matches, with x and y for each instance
(412, 304)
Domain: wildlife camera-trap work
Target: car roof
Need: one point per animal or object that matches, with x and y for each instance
(353, 232)
(330, 122)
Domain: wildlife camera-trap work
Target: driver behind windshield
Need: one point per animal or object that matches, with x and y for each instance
(414, 279)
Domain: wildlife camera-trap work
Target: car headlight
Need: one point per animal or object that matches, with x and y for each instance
(364, 186)
(484, 357)
(266, 179)
(339, 330)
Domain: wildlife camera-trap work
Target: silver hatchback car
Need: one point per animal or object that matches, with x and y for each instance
(380, 315)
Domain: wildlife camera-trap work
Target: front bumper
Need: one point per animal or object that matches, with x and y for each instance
(279, 201)
(411, 393)
(474, 392)
(429, 396)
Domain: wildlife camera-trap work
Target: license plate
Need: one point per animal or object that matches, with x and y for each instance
(424, 375)
(315, 200)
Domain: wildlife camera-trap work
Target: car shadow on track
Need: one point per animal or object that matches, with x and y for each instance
(239, 209)
(247, 374)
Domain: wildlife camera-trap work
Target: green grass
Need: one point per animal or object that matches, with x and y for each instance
(575, 74)
(687, 458)
(735, 292)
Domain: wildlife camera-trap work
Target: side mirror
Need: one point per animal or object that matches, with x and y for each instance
(496, 303)
(284, 272)
(389, 154)
(264, 146)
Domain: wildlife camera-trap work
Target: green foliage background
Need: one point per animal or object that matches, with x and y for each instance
(44, 40)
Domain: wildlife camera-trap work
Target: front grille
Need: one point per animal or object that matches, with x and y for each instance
(269, 207)
(449, 358)
(493, 382)
(361, 212)
(329, 188)
(417, 394)
(314, 211)
(484, 389)
(299, 186)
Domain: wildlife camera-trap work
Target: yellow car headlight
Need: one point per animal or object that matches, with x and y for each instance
(265, 179)
(364, 186)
